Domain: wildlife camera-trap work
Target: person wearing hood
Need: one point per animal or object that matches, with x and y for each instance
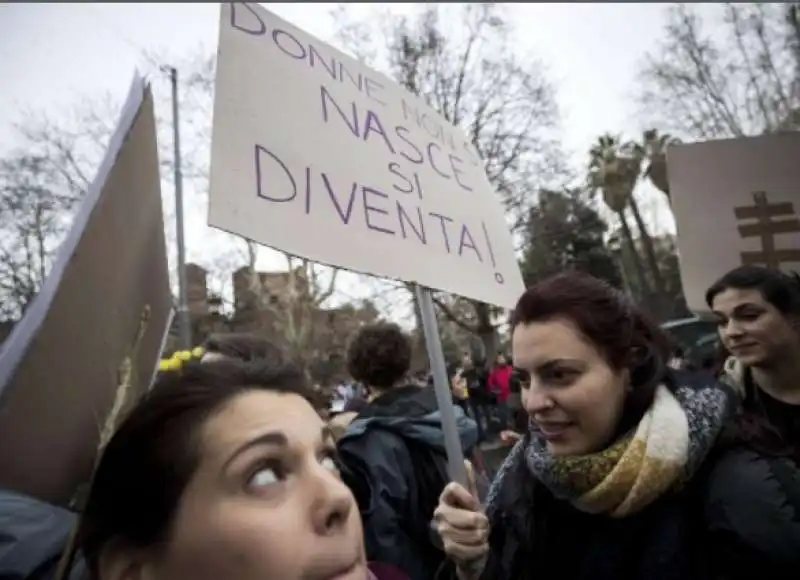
(393, 455)
(754, 489)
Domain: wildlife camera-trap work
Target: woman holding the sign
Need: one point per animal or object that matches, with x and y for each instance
(603, 485)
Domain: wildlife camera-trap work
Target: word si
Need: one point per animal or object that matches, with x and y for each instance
(378, 212)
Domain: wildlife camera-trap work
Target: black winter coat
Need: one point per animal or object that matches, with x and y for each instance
(752, 512)
(752, 505)
(659, 543)
(380, 455)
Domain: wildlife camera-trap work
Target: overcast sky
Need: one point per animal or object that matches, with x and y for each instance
(51, 54)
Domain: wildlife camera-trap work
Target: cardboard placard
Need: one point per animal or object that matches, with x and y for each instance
(59, 368)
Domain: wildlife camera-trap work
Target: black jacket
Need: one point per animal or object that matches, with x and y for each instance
(477, 379)
(752, 512)
(658, 543)
(33, 534)
(379, 463)
(752, 506)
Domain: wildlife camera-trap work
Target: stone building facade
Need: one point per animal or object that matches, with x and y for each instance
(272, 310)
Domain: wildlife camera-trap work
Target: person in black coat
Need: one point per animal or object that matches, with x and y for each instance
(753, 499)
(476, 377)
(607, 482)
(392, 454)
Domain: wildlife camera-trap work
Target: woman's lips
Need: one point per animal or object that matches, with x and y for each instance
(743, 346)
(551, 431)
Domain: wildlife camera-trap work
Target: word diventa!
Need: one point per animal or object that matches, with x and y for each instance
(375, 209)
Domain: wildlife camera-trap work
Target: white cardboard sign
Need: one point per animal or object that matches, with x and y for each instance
(319, 156)
(735, 201)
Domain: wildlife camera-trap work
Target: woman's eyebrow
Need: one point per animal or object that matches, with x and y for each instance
(274, 438)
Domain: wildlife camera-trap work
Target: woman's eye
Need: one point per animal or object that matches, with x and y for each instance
(329, 462)
(265, 476)
(749, 316)
(523, 378)
(561, 376)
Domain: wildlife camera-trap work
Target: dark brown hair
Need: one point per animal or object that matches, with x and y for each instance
(244, 346)
(608, 319)
(379, 355)
(149, 461)
(752, 427)
(780, 289)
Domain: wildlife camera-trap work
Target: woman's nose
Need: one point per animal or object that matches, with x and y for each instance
(332, 501)
(733, 328)
(535, 399)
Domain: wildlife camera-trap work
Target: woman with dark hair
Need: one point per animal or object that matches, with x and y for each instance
(223, 471)
(755, 487)
(603, 485)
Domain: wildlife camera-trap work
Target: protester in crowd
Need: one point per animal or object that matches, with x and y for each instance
(755, 487)
(480, 400)
(604, 485)
(224, 470)
(458, 387)
(498, 384)
(518, 416)
(393, 453)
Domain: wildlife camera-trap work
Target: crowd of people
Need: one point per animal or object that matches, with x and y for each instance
(624, 468)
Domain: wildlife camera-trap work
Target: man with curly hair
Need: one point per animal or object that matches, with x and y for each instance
(393, 455)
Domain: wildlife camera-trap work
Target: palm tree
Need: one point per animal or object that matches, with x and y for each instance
(653, 150)
(615, 176)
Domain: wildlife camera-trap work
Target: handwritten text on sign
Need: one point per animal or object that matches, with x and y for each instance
(319, 156)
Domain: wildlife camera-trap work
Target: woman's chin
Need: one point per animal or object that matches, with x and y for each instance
(560, 448)
(568, 446)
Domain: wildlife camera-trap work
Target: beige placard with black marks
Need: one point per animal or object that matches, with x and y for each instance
(735, 201)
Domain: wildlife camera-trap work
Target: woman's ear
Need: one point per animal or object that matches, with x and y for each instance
(121, 563)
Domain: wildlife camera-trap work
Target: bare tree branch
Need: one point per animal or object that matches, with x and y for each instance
(697, 86)
(452, 316)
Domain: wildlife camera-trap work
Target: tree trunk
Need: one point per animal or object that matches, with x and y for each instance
(657, 173)
(486, 330)
(636, 260)
(652, 261)
(419, 336)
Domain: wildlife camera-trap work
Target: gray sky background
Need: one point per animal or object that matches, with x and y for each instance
(53, 54)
